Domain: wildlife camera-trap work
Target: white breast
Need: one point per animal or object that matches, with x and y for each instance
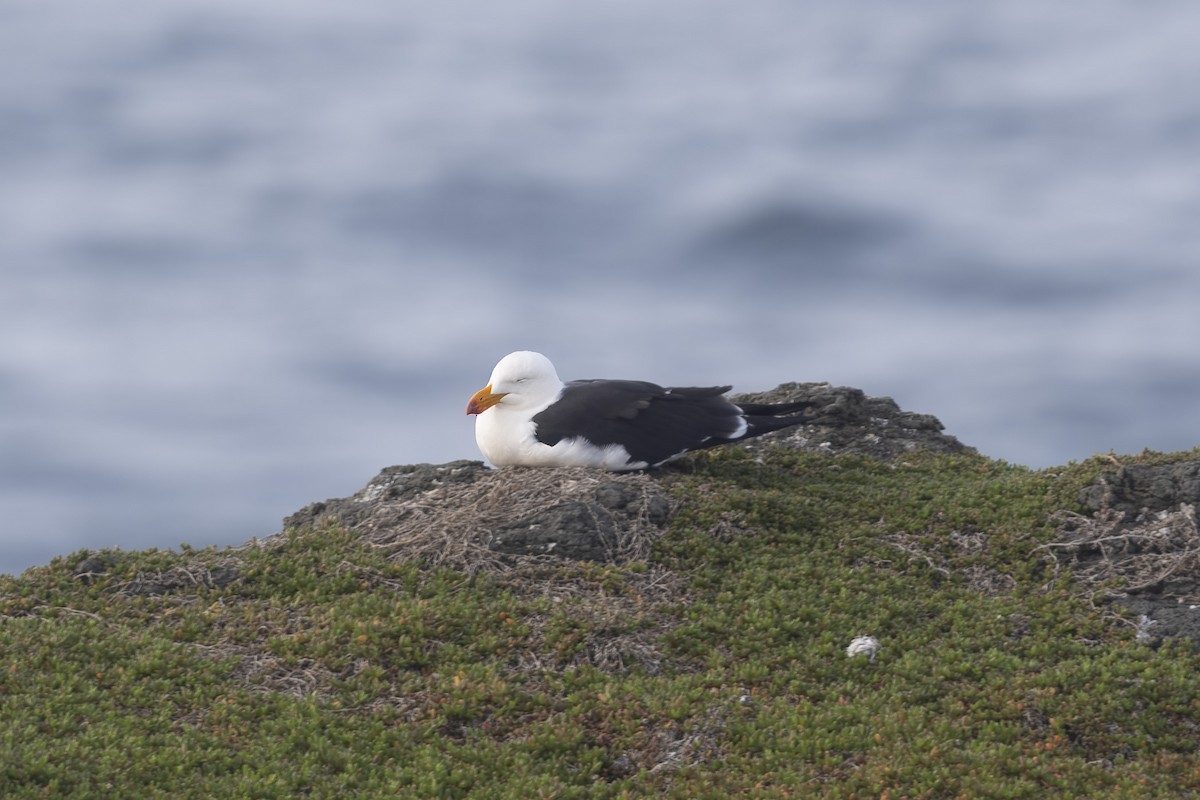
(506, 438)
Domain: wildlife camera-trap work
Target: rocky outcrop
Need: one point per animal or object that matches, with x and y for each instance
(846, 421)
(1140, 489)
(1141, 536)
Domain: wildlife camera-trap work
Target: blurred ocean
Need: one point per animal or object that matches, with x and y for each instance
(252, 253)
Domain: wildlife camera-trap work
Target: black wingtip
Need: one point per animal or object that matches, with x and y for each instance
(773, 409)
(758, 425)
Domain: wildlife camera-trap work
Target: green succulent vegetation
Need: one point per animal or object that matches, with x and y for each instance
(324, 667)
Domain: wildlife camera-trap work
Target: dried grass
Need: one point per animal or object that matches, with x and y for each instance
(951, 556)
(177, 580)
(621, 629)
(672, 747)
(453, 526)
(1112, 556)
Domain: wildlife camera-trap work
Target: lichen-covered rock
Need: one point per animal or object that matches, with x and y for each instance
(1138, 489)
(846, 421)
(1142, 532)
(392, 485)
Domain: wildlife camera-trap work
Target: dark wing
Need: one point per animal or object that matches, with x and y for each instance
(652, 423)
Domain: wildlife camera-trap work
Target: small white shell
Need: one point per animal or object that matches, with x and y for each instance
(863, 646)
